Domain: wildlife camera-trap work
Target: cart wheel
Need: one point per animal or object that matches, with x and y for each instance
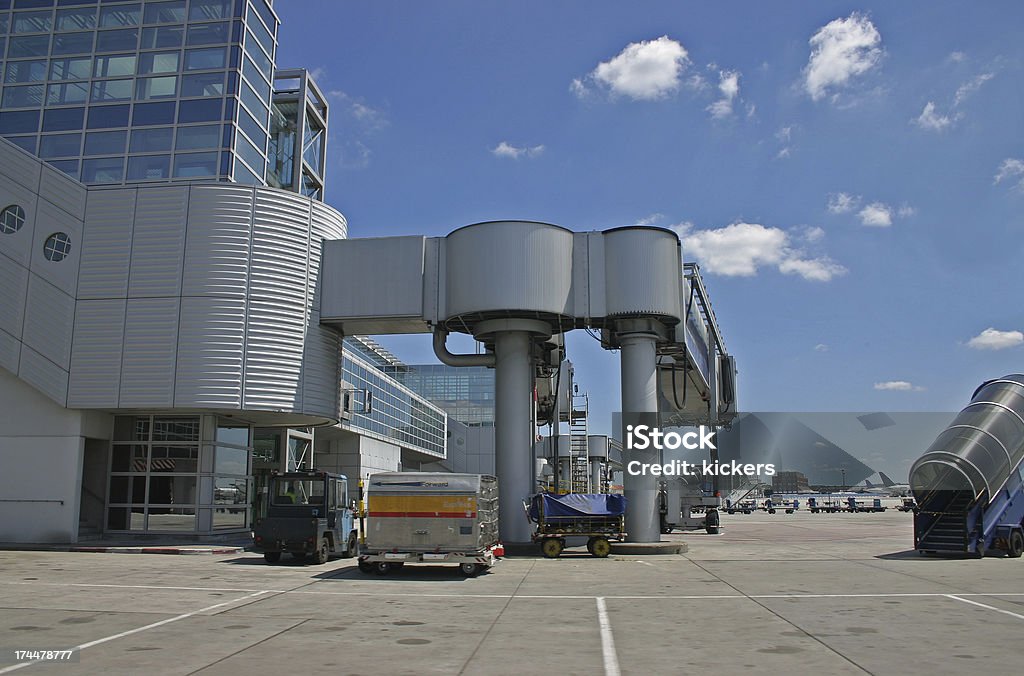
(271, 557)
(353, 546)
(599, 547)
(1015, 547)
(771, 511)
(365, 566)
(382, 567)
(470, 569)
(322, 554)
(551, 547)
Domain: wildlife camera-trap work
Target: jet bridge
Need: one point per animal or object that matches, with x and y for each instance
(514, 285)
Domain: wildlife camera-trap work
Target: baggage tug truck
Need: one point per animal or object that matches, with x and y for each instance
(308, 514)
(419, 517)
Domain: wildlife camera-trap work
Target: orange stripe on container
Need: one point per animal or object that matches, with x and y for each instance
(427, 515)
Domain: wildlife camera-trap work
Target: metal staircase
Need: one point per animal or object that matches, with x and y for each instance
(947, 531)
(580, 470)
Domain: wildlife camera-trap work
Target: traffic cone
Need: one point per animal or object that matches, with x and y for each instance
(499, 550)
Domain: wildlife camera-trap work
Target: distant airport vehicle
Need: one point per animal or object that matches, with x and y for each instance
(908, 505)
(599, 517)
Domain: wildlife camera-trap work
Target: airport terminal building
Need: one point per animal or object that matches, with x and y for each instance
(161, 222)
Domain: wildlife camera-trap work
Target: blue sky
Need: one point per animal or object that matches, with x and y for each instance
(850, 176)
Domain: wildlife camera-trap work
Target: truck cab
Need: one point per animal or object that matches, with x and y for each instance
(309, 513)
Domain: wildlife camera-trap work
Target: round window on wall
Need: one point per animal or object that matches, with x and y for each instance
(57, 247)
(11, 219)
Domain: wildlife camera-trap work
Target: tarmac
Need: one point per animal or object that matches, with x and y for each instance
(788, 594)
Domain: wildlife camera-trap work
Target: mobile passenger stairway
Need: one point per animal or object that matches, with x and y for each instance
(969, 484)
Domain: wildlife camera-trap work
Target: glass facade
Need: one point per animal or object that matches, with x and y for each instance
(466, 394)
(79, 76)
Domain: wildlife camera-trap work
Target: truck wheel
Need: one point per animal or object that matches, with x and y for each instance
(599, 547)
(470, 569)
(322, 554)
(352, 548)
(771, 511)
(382, 567)
(1015, 547)
(271, 557)
(551, 548)
(365, 566)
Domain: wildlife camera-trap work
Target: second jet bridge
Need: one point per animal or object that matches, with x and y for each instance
(515, 284)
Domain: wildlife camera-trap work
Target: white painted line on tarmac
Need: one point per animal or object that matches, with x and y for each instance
(986, 606)
(611, 660)
(137, 630)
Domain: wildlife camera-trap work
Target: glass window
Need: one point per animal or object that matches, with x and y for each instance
(57, 247)
(26, 143)
(258, 57)
(205, 10)
(175, 459)
(72, 43)
(70, 69)
(32, 22)
(162, 37)
(63, 119)
(165, 12)
(205, 59)
(60, 145)
(156, 87)
(252, 156)
(175, 429)
(261, 33)
(105, 142)
(115, 65)
(69, 167)
(252, 129)
(25, 71)
(105, 91)
(106, 170)
(208, 34)
(3, 22)
(232, 434)
(25, 96)
(231, 460)
(119, 15)
(117, 40)
(200, 110)
(178, 519)
(107, 117)
(149, 167)
(158, 62)
(151, 140)
(231, 517)
(147, 114)
(28, 45)
(131, 428)
(195, 164)
(198, 138)
(11, 219)
(77, 19)
(245, 175)
(202, 84)
(255, 78)
(68, 93)
(255, 105)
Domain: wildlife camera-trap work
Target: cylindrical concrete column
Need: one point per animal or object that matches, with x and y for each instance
(595, 476)
(639, 395)
(513, 392)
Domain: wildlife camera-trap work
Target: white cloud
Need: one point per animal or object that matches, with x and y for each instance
(784, 134)
(506, 149)
(956, 57)
(360, 121)
(1011, 170)
(643, 71)
(876, 214)
(783, 153)
(906, 211)
(821, 347)
(840, 51)
(741, 249)
(994, 339)
(729, 88)
(841, 203)
(932, 121)
(812, 234)
(898, 386)
(971, 86)
(651, 219)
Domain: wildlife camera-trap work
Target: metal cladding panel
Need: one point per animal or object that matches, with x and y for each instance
(277, 309)
(107, 244)
(96, 354)
(44, 375)
(158, 243)
(211, 344)
(63, 273)
(19, 166)
(325, 224)
(643, 269)
(217, 244)
(597, 447)
(14, 282)
(147, 367)
(321, 371)
(49, 321)
(18, 245)
(516, 266)
(376, 278)
(63, 191)
(10, 352)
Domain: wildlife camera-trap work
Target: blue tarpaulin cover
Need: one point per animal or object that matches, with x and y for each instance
(577, 505)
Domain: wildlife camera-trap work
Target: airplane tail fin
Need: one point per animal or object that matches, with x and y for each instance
(886, 480)
(868, 484)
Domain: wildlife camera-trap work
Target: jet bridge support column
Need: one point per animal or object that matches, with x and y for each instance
(638, 340)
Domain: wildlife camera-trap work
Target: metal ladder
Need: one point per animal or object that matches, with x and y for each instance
(580, 469)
